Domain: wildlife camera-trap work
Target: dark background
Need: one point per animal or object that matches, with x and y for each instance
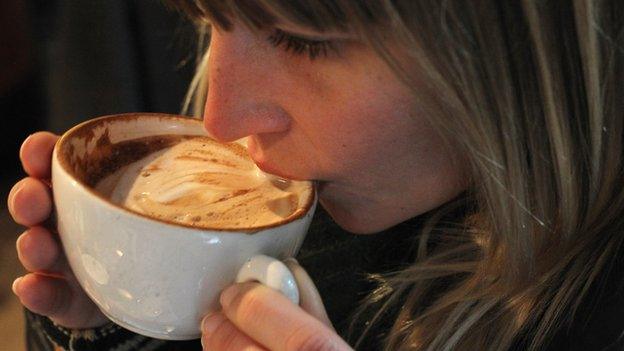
(63, 62)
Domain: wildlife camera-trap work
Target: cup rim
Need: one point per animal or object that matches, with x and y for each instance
(63, 162)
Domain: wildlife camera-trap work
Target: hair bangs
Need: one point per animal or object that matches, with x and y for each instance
(321, 15)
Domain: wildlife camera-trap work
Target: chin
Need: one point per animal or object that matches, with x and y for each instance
(351, 211)
(355, 222)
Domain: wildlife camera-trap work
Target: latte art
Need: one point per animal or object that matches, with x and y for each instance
(200, 182)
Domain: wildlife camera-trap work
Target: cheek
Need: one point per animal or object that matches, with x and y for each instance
(366, 129)
(349, 117)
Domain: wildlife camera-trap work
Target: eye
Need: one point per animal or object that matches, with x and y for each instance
(300, 46)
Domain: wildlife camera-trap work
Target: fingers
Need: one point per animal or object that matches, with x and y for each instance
(59, 300)
(36, 154)
(51, 289)
(310, 299)
(42, 294)
(39, 251)
(269, 318)
(220, 334)
(30, 202)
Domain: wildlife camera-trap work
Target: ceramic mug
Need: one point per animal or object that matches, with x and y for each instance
(157, 278)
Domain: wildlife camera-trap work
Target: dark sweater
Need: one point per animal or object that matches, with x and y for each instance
(339, 263)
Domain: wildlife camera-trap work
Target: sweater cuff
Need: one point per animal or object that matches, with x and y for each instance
(108, 337)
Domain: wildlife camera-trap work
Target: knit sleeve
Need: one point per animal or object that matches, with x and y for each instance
(44, 335)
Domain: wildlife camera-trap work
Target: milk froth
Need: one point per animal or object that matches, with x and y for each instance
(202, 183)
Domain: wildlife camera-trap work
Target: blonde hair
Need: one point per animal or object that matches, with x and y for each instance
(531, 93)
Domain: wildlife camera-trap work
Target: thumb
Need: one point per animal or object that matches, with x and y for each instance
(309, 297)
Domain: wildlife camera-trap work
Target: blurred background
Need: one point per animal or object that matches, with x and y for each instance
(63, 62)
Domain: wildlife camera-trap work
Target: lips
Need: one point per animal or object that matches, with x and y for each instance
(258, 157)
(268, 168)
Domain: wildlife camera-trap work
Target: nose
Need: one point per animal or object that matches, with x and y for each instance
(240, 99)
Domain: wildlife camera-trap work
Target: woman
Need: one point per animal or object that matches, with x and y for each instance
(511, 110)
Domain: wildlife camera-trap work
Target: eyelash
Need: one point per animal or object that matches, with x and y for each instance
(300, 46)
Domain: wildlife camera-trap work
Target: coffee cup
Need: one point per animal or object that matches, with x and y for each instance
(153, 276)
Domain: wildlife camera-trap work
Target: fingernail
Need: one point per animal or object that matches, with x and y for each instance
(16, 284)
(291, 259)
(18, 242)
(211, 322)
(21, 150)
(16, 189)
(227, 295)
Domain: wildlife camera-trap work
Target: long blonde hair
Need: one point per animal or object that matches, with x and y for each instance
(531, 92)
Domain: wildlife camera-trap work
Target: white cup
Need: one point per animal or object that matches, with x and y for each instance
(156, 278)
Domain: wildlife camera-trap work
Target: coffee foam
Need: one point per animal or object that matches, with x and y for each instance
(202, 183)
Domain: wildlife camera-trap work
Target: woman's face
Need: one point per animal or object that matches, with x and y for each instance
(343, 119)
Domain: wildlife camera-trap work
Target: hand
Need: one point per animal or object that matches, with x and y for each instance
(50, 288)
(256, 317)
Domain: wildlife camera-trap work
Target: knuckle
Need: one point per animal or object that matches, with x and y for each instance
(35, 203)
(39, 191)
(37, 250)
(224, 336)
(249, 306)
(30, 192)
(60, 298)
(42, 295)
(304, 339)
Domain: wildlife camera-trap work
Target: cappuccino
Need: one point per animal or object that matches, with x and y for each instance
(196, 181)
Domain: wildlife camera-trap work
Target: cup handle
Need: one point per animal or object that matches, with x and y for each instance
(272, 273)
